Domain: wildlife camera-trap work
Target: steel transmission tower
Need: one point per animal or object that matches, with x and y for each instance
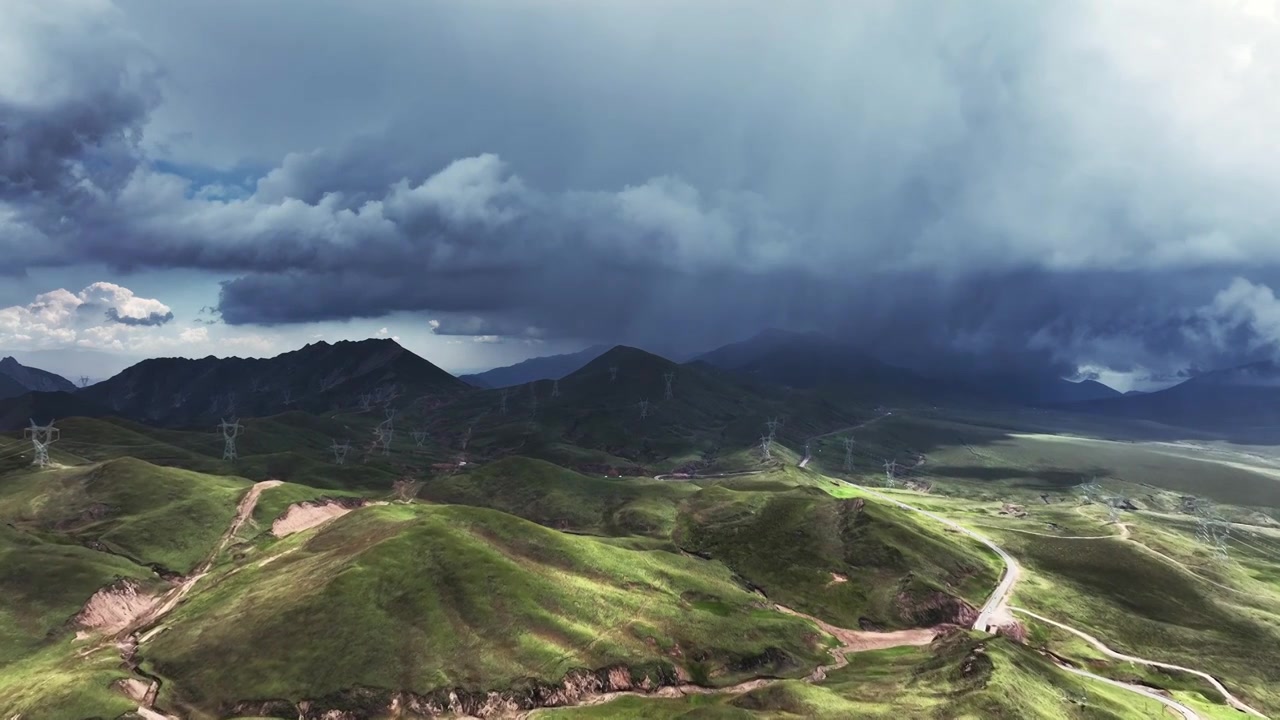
(848, 454)
(340, 452)
(419, 437)
(765, 443)
(84, 381)
(555, 388)
(644, 409)
(613, 373)
(668, 377)
(389, 428)
(42, 436)
(772, 424)
(890, 469)
(230, 431)
(502, 409)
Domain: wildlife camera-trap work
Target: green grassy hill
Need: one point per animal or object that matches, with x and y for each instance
(432, 598)
(166, 517)
(565, 500)
(44, 585)
(846, 561)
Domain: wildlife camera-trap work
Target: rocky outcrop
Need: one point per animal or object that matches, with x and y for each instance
(363, 703)
(934, 608)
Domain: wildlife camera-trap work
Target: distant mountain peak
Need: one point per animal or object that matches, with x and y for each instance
(547, 367)
(22, 378)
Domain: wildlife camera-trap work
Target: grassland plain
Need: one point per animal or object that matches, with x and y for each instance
(433, 598)
(994, 463)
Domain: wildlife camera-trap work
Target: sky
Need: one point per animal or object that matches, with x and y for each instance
(1081, 188)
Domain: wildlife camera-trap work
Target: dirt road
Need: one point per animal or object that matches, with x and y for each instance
(1232, 700)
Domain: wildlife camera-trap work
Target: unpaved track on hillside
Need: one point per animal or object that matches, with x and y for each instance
(851, 641)
(997, 609)
(1232, 700)
(127, 640)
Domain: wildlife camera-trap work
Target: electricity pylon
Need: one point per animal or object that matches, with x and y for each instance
(230, 431)
(765, 443)
(389, 427)
(340, 452)
(644, 409)
(366, 401)
(848, 454)
(555, 388)
(772, 424)
(84, 381)
(42, 436)
(668, 377)
(419, 437)
(890, 469)
(613, 373)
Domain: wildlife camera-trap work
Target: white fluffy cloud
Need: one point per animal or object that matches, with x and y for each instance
(109, 317)
(103, 315)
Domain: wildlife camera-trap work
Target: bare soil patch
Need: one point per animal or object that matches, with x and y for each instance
(114, 607)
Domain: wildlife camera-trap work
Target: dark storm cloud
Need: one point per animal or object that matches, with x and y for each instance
(1007, 186)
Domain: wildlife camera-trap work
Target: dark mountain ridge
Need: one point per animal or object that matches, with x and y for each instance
(16, 379)
(1230, 399)
(182, 392)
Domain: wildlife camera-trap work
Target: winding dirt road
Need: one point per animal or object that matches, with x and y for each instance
(996, 612)
(1232, 700)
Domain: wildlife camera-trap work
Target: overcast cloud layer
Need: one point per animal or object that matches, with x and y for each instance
(1082, 184)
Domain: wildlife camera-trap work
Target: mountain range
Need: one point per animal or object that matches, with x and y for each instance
(177, 392)
(1239, 398)
(181, 392)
